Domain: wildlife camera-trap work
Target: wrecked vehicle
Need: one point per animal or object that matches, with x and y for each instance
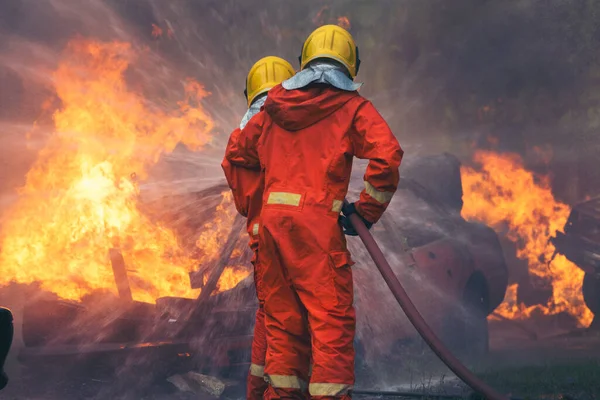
(580, 243)
(453, 269)
(211, 334)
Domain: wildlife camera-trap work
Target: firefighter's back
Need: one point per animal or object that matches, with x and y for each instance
(306, 151)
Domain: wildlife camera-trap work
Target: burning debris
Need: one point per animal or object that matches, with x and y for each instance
(108, 278)
(79, 200)
(503, 194)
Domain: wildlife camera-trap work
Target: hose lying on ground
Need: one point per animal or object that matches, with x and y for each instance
(415, 317)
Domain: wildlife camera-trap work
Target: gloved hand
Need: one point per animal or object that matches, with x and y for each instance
(344, 220)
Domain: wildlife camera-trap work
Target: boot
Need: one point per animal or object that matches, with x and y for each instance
(6, 336)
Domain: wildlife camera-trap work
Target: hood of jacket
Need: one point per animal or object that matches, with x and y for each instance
(254, 109)
(297, 109)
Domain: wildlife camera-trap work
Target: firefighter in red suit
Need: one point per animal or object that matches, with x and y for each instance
(304, 141)
(247, 187)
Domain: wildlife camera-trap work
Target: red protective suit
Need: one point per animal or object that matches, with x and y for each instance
(304, 140)
(247, 188)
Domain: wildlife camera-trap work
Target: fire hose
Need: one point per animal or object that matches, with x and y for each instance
(416, 318)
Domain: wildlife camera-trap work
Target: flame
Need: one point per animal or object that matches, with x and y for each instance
(156, 31)
(324, 16)
(78, 200)
(214, 235)
(502, 192)
(344, 22)
(319, 18)
(231, 276)
(215, 232)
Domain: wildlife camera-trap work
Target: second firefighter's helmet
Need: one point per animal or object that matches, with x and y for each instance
(266, 73)
(332, 42)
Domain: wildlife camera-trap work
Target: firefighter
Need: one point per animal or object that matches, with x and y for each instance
(247, 188)
(304, 140)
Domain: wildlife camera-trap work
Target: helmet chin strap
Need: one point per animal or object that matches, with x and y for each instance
(357, 60)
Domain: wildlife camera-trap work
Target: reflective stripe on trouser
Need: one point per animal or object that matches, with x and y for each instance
(256, 384)
(306, 286)
(257, 370)
(328, 389)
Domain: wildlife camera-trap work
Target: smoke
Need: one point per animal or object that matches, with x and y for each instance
(425, 209)
(445, 76)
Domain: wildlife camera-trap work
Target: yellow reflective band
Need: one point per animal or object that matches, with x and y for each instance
(257, 370)
(255, 229)
(381, 197)
(286, 382)
(337, 206)
(328, 389)
(289, 199)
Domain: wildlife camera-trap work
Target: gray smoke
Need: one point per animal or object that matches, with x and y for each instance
(446, 77)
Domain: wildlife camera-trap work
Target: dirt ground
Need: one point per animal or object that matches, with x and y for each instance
(559, 365)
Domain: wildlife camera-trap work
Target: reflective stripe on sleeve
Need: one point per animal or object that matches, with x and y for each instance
(257, 370)
(328, 389)
(255, 229)
(288, 199)
(381, 197)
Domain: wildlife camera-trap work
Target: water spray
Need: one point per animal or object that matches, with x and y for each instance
(415, 317)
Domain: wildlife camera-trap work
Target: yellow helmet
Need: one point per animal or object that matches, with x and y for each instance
(333, 42)
(266, 73)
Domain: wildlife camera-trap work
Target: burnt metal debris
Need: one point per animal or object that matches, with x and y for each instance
(166, 330)
(580, 243)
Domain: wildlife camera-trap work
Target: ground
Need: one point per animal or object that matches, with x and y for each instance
(561, 366)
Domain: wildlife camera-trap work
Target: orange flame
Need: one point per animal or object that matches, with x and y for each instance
(502, 191)
(323, 16)
(78, 201)
(319, 18)
(344, 22)
(231, 277)
(214, 235)
(215, 232)
(156, 31)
